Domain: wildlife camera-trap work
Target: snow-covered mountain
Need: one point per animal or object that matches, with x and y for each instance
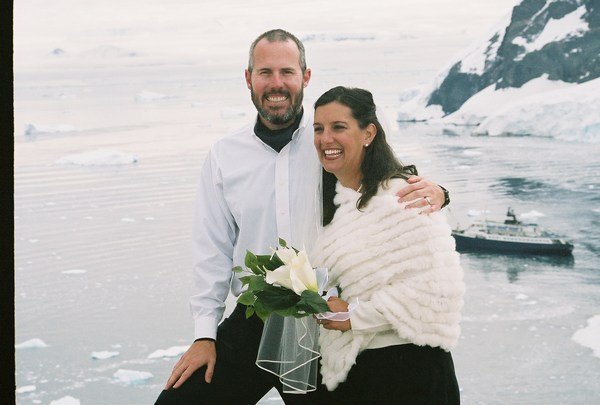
(543, 58)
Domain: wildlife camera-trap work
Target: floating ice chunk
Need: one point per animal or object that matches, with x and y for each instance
(521, 297)
(590, 335)
(132, 377)
(149, 96)
(74, 271)
(476, 213)
(232, 113)
(469, 152)
(173, 351)
(31, 344)
(104, 355)
(531, 214)
(68, 400)
(25, 389)
(35, 129)
(100, 157)
(127, 219)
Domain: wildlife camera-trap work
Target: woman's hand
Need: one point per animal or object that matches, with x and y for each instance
(336, 304)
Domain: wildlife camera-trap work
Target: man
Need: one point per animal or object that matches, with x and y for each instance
(257, 185)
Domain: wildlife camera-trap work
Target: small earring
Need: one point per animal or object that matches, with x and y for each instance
(366, 145)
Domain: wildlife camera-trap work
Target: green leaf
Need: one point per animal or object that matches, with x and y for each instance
(257, 283)
(260, 310)
(251, 262)
(291, 311)
(247, 298)
(249, 312)
(246, 279)
(282, 243)
(312, 302)
(238, 269)
(268, 262)
(277, 298)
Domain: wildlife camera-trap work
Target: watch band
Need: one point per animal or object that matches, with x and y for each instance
(446, 197)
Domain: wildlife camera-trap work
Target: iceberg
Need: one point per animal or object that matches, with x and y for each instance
(590, 335)
(99, 157)
(68, 400)
(149, 96)
(25, 389)
(104, 355)
(531, 215)
(31, 344)
(173, 351)
(36, 129)
(74, 271)
(132, 377)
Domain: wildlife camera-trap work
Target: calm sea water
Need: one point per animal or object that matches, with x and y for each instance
(129, 229)
(521, 312)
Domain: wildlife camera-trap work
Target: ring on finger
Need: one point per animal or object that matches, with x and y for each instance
(428, 200)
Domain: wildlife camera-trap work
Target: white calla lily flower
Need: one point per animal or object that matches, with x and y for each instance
(296, 273)
(286, 255)
(280, 276)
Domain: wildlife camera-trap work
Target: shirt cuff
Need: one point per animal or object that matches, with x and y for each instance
(366, 319)
(205, 327)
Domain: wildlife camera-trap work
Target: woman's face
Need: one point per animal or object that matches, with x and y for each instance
(340, 142)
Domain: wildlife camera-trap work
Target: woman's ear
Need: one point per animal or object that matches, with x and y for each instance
(370, 133)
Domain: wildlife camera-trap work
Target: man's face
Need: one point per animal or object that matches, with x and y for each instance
(276, 82)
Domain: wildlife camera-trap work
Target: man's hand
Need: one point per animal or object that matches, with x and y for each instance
(428, 195)
(336, 304)
(200, 353)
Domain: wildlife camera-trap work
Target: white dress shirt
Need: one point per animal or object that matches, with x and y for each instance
(249, 196)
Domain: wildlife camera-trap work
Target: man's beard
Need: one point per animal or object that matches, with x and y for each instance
(280, 118)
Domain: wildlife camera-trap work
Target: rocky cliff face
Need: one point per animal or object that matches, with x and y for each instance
(556, 38)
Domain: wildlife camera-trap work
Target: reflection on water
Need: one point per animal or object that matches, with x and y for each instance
(516, 264)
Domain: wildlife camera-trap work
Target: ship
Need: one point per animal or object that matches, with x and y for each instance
(510, 236)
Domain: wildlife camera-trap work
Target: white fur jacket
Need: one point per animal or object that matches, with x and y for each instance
(399, 263)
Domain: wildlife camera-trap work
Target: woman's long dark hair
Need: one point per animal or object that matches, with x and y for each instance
(379, 165)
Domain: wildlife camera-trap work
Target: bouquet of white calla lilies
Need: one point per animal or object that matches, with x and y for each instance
(296, 273)
(284, 283)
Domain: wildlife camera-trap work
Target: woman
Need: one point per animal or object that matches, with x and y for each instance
(400, 266)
